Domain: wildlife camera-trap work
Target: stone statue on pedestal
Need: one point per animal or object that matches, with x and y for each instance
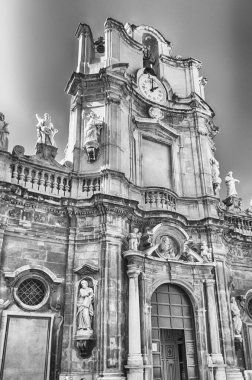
(236, 315)
(4, 141)
(230, 183)
(45, 130)
(85, 310)
(92, 130)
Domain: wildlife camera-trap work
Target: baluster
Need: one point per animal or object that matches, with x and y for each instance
(151, 195)
(54, 185)
(35, 185)
(162, 199)
(28, 178)
(21, 176)
(84, 186)
(88, 185)
(61, 187)
(67, 186)
(15, 173)
(41, 181)
(47, 183)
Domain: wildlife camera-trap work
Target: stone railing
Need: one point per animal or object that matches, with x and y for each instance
(241, 225)
(158, 198)
(91, 185)
(41, 180)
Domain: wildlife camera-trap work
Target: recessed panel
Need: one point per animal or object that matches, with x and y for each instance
(156, 164)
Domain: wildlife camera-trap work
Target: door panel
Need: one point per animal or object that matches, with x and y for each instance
(26, 348)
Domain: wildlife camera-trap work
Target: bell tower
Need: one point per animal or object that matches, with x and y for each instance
(139, 113)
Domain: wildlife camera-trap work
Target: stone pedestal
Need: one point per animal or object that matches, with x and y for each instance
(46, 152)
(234, 374)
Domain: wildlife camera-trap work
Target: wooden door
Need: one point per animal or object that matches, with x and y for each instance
(170, 356)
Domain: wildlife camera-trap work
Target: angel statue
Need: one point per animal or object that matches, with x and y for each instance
(134, 239)
(45, 130)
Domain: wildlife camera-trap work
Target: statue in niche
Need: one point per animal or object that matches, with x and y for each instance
(92, 130)
(134, 239)
(45, 130)
(230, 183)
(4, 141)
(167, 248)
(215, 175)
(236, 315)
(85, 310)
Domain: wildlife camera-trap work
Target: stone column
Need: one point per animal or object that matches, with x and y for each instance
(135, 360)
(217, 359)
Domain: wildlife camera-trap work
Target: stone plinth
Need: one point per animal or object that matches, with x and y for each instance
(46, 152)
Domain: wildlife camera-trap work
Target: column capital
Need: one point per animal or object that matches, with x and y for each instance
(133, 272)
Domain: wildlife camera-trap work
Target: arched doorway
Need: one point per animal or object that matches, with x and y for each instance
(173, 335)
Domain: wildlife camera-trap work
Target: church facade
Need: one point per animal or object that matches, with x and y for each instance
(121, 261)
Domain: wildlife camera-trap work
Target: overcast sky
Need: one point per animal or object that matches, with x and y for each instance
(39, 53)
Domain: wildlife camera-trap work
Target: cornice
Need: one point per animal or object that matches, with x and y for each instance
(181, 62)
(111, 24)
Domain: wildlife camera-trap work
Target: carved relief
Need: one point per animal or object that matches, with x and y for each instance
(167, 248)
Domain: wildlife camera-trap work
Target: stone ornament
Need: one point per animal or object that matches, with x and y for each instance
(18, 150)
(45, 130)
(4, 140)
(134, 239)
(167, 248)
(236, 316)
(230, 183)
(92, 131)
(156, 113)
(85, 311)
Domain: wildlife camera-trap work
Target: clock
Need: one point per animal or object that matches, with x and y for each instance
(151, 88)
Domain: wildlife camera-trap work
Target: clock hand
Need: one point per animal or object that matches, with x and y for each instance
(153, 88)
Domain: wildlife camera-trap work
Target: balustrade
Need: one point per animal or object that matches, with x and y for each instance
(240, 225)
(91, 186)
(40, 180)
(159, 199)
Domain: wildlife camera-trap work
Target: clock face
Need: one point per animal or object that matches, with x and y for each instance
(151, 88)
